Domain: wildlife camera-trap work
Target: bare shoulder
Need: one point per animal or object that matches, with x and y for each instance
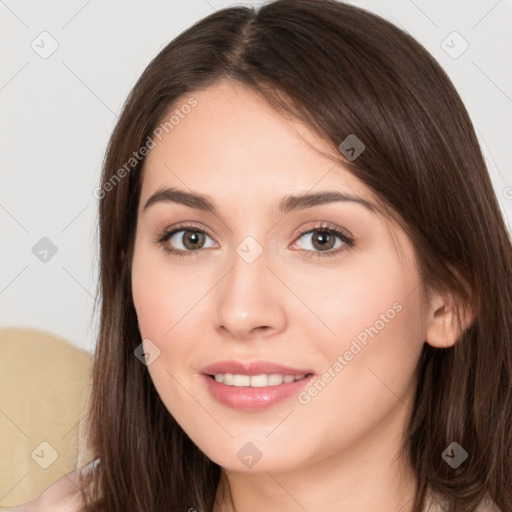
(62, 496)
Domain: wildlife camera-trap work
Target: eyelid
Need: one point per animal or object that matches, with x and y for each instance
(339, 232)
(327, 227)
(185, 226)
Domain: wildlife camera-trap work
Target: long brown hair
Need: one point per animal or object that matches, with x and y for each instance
(341, 70)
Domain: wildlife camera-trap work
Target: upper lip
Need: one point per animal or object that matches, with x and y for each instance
(252, 368)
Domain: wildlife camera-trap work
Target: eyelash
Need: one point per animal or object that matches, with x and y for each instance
(348, 242)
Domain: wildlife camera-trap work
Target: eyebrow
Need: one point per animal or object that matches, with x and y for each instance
(286, 205)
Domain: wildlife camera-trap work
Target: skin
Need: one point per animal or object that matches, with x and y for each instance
(339, 451)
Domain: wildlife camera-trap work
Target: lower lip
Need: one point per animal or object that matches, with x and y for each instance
(246, 398)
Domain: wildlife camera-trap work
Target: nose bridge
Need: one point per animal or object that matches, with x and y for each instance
(249, 267)
(247, 299)
(248, 275)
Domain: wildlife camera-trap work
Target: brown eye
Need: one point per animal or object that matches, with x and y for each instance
(183, 240)
(193, 239)
(325, 241)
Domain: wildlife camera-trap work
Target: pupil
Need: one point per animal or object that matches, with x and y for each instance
(193, 238)
(321, 238)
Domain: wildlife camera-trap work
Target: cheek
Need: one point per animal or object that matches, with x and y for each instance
(379, 336)
(162, 293)
(164, 300)
(369, 369)
(374, 328)
(167, 300)
(367, 292)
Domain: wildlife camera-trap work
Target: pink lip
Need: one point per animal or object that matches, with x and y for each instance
(252, 368)
(246, 398)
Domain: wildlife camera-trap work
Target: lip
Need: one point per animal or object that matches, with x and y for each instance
(252, 368)
(246, 398)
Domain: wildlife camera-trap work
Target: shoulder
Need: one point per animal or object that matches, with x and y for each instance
(62, 496)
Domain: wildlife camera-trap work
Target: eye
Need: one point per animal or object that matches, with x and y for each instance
(323, 241)
(192, 238)
(187, 239)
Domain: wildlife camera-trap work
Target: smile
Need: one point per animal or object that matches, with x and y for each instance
(256, 381)
(238, 392)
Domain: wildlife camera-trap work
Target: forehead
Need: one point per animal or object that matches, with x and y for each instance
(232, 144)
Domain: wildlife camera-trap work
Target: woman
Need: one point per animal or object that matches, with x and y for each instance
(306, 280)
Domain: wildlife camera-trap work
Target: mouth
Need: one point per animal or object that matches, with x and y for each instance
(243, 369)
(257, 381)
(253, 385)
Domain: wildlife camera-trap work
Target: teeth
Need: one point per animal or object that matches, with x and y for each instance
(256, 381)
(275, 379)
(241, 380)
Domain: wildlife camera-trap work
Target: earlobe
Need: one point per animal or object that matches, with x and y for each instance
(444, 326)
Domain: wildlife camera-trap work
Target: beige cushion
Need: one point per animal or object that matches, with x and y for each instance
(45, 383)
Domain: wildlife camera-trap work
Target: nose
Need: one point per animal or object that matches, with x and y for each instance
(249, 300)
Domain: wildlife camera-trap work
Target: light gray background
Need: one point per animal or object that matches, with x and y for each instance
(59, 111)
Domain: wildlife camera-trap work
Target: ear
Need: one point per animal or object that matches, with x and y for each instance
(446, 321)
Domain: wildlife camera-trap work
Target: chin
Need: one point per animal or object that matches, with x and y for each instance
(244, 456)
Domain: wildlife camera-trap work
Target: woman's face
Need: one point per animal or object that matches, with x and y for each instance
(253, 282)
